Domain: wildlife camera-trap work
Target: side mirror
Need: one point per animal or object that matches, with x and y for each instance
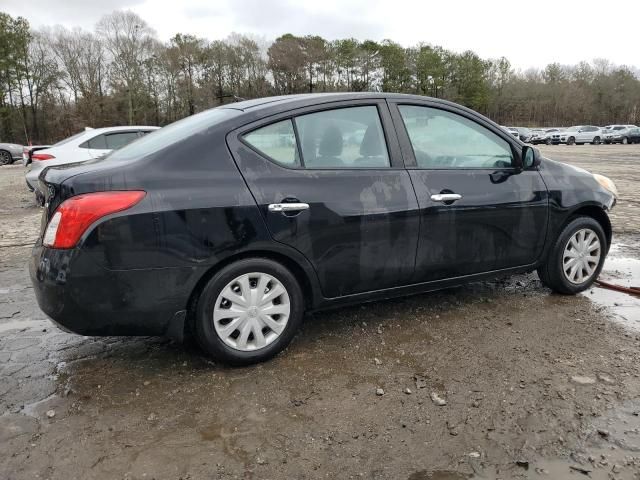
(530, 157)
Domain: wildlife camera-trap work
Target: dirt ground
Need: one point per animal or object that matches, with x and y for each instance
(536, 385)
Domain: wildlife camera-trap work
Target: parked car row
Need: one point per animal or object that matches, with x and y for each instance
(578, 134)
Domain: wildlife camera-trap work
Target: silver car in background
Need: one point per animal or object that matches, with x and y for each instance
(9, 153)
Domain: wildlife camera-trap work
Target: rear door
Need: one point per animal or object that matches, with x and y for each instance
(586, 134)
(330, 182)
(478, 212)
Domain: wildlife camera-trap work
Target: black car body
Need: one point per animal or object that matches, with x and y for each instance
(634, 135)
(393, 220)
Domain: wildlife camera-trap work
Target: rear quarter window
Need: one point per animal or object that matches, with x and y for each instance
(277, 141)
(175, 132)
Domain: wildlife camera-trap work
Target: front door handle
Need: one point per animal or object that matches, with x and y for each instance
(446, 197)
(288, 207)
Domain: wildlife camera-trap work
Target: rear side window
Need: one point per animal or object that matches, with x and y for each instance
(277, 141)
(343, 138)
(176, 132)
(98, 142)
(119, 140)
(445, 140)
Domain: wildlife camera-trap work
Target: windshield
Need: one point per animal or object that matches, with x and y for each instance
(573, 129)
(159, 139)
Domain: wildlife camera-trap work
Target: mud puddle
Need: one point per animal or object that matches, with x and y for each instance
(620, 268)
(610, 450)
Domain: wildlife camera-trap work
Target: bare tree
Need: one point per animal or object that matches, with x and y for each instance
(129, 41)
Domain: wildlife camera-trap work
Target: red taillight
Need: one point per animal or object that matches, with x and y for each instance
(74, 216)
(41, 156)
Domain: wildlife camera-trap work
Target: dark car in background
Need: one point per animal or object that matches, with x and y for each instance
(633, 135)
(523, 133)
(232, 223)
(619, 134)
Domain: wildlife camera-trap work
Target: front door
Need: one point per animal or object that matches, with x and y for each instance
(478, 212)
(330, 183)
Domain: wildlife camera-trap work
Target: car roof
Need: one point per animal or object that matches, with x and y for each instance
(304, 99)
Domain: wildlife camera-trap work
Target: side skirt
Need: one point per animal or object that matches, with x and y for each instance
(417, 288)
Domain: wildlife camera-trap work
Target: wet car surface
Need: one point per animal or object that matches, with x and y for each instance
(536, 385)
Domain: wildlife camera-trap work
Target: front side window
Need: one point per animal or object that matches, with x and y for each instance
(445, 140)
(277, 141)
(343, 138)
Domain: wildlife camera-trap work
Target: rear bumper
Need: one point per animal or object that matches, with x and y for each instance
(81, 297)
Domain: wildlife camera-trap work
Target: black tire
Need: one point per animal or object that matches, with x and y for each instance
(624, 140)
(5, 158)
(551, 272)
(571, 141)
(205, 332)
(548, 141)
(596, 141)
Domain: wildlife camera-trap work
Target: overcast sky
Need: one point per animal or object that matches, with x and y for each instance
(529, 33)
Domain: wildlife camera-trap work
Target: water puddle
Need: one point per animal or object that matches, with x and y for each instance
(624, 270)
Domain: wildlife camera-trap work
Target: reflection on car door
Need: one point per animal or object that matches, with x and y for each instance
(331, 184)
(478, 213)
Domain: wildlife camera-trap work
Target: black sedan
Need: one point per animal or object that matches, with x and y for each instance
(232, 223)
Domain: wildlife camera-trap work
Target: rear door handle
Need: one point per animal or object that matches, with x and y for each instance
(288, 207)
(446, 197)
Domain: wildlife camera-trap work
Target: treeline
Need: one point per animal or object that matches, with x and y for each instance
(55, 81)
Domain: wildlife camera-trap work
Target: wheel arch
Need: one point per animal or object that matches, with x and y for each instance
(597, 213)
(304, 274)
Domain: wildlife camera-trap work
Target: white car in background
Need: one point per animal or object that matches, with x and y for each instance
(90, 144)
(579, 135)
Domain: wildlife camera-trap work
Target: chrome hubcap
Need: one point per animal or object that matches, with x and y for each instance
(251, 312)
(581, 256)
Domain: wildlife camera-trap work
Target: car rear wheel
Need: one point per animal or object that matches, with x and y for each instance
(596, 141)
(576, 258)
(5, 158)
(548, 141)
(248, 311)
(571, 141)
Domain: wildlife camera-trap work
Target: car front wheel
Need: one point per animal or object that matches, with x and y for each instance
(576, 258)
(248, 311)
